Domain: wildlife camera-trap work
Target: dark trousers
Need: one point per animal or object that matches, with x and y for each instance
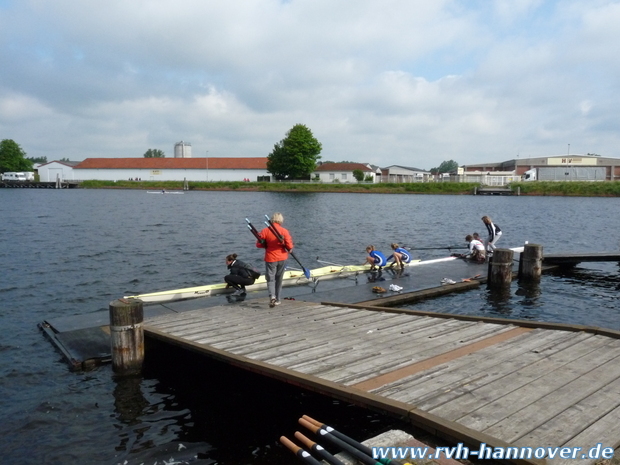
(238, 282)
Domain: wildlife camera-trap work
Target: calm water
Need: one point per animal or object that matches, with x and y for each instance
(71, 252)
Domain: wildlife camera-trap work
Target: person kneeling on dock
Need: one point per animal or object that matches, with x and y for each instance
(375, 258)
(400, 256)
(240, 274)
(476, 250)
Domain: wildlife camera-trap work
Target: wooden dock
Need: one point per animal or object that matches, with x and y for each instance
(469, 379)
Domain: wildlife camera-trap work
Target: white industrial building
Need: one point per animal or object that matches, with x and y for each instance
(57, 170)
(343, 172)
(172, 169)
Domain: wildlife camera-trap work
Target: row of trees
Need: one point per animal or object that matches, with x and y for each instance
(13, 157)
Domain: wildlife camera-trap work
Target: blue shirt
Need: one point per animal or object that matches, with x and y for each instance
(380, 259)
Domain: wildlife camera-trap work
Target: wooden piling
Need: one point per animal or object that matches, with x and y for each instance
(127, 336)
(500, 268)
(530, 267)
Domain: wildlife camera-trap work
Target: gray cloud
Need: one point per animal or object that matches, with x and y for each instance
(395, 82)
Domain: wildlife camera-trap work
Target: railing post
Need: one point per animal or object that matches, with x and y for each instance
(127, 336)
(530, 267)
(500, 268)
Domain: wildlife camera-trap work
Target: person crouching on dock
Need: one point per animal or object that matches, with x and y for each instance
(400, 256)
(375, 258)
(239, 276)
(476, 250)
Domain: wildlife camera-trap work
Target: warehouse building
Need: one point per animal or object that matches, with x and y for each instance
(172, 169)
(554, 168)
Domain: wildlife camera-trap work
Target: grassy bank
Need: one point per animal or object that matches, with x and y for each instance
(584, 189)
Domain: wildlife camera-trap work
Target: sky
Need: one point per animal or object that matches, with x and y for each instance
(391, 82)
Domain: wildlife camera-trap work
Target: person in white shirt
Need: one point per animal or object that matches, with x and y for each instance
(476, 250)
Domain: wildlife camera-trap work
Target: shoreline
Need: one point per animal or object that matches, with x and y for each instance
(536, 188)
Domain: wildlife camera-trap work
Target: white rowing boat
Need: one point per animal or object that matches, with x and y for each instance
(291, 278)
(166, 192)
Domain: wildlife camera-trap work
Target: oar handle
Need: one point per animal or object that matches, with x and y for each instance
(359, 446)
(317, 449)
(362, 457)
(298, 451)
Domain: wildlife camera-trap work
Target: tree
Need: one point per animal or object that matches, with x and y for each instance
(13, 157)
(295, 156)
(359, 175)
(154, 153)
(445, 167)
(37, 159)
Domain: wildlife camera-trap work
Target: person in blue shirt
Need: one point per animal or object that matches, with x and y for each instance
(375, 258)
(400, 256)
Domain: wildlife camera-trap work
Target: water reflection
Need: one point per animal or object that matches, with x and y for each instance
(530, 291)
(499, 300)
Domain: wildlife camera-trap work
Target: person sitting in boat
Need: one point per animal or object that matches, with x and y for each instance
(494, 234)
(239, 275)
(477, 236)
(163, 191)
(400, 256)
(476, 250)
(375, 258)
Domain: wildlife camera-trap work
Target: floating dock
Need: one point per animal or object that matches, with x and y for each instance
(474, 380)
(469, 379)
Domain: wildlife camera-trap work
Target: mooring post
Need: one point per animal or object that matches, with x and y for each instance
(500, 268)
(127, 336)
(530, 267)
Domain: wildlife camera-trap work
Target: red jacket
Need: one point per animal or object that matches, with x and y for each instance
(274, 249)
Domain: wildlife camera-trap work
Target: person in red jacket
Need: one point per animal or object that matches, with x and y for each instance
(276, 255)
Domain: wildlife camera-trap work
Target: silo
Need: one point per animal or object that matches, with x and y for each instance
(182, 150)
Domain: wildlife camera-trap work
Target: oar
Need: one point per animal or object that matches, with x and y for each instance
(299, 452)
(439, 248)
(358, 454)
(317, 449)
(358, 445)
(328, 263)
(281, 239)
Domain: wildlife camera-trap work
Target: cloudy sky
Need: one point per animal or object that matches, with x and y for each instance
(408, 82)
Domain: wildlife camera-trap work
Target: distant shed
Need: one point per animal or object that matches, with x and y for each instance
(63, 170)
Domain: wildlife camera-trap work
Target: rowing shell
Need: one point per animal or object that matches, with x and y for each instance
(160, 192)
(290, 278)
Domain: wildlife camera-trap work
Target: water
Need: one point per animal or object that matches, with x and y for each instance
(70, 252)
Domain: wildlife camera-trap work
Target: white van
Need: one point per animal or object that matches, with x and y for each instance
(11, 176)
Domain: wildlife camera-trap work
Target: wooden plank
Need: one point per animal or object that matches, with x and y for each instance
(480, 368)
(514, 376)
(535, 382)
(604, 430)
(406, 353)
(579, 416)
(318, 365)
(390, 377)
(552, 394)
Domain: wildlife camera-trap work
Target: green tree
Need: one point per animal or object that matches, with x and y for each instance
(37, 159)
(445, 167)
(154, 153)
(359, 175)
(295, 156)
(13, 157)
